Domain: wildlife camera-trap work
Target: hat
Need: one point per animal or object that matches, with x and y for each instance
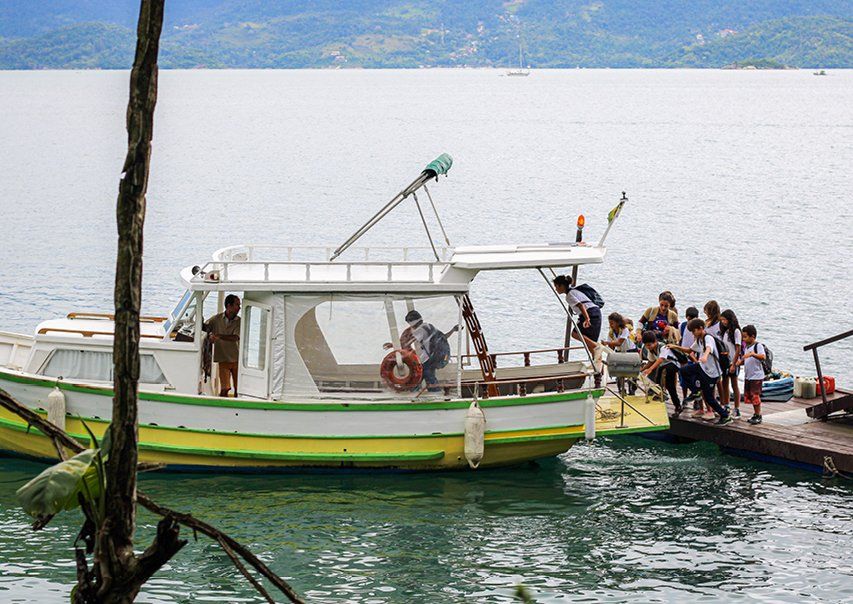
(413, 316)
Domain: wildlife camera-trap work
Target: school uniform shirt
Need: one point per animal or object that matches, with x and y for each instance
(221, 325)
(577, 299)
(733, 347)
(714, 329)
(664, 353)
(688, 339)
(625, 334)
(752, 368)
(711, 367)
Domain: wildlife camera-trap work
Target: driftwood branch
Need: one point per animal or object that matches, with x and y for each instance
(187, 520)
(242, 568)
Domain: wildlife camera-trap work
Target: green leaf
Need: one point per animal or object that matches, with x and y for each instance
(57, 487)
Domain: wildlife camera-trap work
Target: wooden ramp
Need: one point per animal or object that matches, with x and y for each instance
(788, 435)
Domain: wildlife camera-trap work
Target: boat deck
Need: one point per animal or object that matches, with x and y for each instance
(787, 435)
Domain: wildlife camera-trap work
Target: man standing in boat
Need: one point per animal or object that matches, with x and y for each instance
(224, 330)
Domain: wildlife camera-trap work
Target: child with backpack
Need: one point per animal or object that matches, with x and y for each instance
(732, 338)
(661, 319)
(706, 371)
(753, 360)
(661, 366)
(686, 343)
(580, 304)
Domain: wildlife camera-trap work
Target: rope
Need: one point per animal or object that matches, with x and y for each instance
(831, 471)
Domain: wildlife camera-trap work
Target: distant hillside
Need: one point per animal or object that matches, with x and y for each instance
(433, 33)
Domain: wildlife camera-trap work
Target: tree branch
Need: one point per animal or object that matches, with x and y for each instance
(236, 561)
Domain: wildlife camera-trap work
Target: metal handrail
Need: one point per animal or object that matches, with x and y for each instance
(813, 347)
(526, 353)
(520, 383)
(111, 317)
(403, 251)
(87, 333)
(389, 267)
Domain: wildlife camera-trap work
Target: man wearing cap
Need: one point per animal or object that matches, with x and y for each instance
(224, 330)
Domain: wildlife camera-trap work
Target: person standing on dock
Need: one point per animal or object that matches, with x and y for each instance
(224, 330)
(753, 371)
(732, 337)
(660, 366)
(687, 340)
(706, 373)
(662, 319)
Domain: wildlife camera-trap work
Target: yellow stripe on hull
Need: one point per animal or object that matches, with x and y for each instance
(200, 451)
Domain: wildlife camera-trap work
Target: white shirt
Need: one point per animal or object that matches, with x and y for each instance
(688, 338)
(577, 299)
(664, 354)
(752, 368)
(733, 347)
(626, 337)
(711, 367)
(714, 329)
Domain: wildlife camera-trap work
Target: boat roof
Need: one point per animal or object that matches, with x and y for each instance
(241, 268)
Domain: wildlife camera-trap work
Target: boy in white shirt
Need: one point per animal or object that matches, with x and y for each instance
(706, 372)
(753, 371)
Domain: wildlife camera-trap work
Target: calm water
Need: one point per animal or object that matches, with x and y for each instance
(738, 185)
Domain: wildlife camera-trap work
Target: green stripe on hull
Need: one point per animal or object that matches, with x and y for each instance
(4, 423)
(231, 403)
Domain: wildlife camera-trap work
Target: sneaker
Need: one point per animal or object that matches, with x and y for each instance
(678, 411)
(709, 416)
(725, 420)
(755, 419)
(697, 414)
(737, 411)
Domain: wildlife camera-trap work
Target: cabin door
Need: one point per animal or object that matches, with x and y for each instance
(254, 372)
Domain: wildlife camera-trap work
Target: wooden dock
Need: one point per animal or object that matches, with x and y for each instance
(788, 435)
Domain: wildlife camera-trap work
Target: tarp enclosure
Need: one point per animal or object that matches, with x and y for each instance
(332, 345)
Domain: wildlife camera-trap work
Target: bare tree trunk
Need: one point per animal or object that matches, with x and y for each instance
(116, 566)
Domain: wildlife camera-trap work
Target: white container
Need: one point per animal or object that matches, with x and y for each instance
(805, 387)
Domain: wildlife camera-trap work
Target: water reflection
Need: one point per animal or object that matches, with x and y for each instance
(612, 520)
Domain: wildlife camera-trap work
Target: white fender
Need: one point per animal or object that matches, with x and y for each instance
(56, 408)
(589, 417)
(475, 434)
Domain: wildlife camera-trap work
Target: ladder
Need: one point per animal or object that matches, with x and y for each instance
(487, 363)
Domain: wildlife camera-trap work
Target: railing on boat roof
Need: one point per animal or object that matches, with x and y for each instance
(321, 253)
(319, 272)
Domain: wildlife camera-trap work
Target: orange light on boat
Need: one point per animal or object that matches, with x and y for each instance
(581, 221)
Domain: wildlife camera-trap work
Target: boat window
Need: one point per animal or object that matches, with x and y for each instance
(183, 327)
(97, 366)
(340, 343)
(255, 344)
(177, 311)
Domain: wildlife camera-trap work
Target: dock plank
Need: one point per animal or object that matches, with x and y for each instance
(791, 439)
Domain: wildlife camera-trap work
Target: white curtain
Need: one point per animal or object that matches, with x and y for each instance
(98, 366)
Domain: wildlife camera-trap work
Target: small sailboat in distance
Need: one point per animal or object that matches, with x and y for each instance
(521, 71)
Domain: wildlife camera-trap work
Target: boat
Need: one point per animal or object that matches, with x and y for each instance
(326, 381)
(521, 71)
(822, 72)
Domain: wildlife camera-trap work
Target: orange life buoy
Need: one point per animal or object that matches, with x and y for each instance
(407, 378)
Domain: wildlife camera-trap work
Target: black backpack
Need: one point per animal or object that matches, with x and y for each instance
(588, 291)
(767, 363)
(439, 347)
(722, 349)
